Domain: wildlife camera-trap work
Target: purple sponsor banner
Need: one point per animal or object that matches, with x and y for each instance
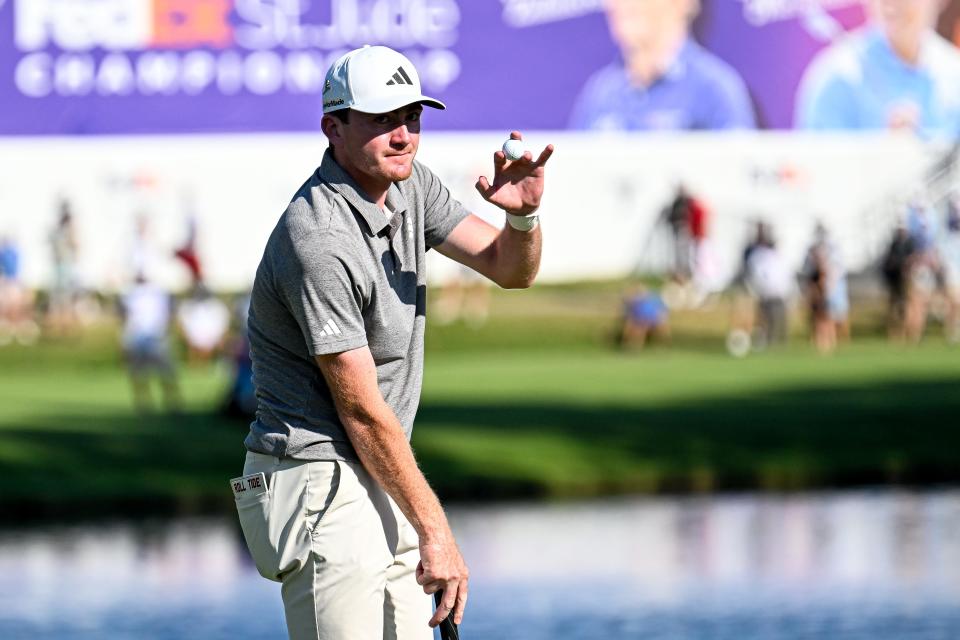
(771, 43)
(74, 67)
(173, 66)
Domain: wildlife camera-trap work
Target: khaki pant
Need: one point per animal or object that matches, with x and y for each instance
(344, 553)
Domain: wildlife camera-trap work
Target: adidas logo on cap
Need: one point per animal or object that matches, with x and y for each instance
(400, 77)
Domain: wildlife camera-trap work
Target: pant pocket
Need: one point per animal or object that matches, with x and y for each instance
(254, 513)
(325, 489)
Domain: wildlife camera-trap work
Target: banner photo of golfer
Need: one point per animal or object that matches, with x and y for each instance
(86, 67)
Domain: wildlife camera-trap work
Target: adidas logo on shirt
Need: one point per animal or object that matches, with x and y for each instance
(330, 329)
(400, 77)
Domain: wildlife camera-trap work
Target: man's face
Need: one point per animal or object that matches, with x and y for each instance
(381, 146)
(638, 23)
(899, 18)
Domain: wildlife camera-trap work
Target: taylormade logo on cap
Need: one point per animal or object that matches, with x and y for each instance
(373, 80)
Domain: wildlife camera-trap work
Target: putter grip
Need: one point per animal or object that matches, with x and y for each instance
(448, 629)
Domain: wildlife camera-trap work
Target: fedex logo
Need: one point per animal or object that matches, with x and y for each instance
(80, 25)
(164, 47)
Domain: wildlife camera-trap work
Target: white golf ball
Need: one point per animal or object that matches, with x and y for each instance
(513, 149)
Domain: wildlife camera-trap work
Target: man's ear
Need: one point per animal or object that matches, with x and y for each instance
(331, 127)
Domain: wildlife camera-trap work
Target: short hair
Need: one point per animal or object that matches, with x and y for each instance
(343, 115)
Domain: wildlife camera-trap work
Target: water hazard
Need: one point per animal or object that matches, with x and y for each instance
(845, 566)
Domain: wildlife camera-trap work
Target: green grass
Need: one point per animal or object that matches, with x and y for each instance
(532, 404)
(562, 424)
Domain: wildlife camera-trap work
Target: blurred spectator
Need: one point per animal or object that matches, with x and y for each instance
(644, 316)
(147, 311)
(697, 225)
(16, 301)
(64, 294)
(923, 273)
(694, 270)
(664, 80)
(704, 264)
(770, 281)
(920, 225)
(896, 73)
(143, 256)
(825, 281)
(187, 253)
(896, 266)
(677, 216)
(465, 295)
(204, 321)
(743, 314)
(949, 250)
(922, 281)
(241, 400)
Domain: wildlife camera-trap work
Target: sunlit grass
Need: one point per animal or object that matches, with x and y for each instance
(534, 403)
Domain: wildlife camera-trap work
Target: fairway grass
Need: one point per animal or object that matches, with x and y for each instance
(534, 404)
(578, 424)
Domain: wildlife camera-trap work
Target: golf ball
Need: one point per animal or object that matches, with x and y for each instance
(513, 149)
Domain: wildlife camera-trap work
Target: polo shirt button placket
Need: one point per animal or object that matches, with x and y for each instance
(395, 229)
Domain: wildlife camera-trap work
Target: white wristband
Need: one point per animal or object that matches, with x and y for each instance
(523, 223)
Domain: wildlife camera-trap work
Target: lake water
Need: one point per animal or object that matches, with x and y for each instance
(838, 566)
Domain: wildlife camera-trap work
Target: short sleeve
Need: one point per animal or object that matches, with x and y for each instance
(322, 293)
(442, 212)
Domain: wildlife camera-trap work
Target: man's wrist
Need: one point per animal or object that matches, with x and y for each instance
(523, 223)
(438, 534)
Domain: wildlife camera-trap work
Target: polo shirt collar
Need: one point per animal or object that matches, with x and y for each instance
(376, 219)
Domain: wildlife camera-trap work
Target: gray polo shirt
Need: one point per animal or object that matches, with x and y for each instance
(339, 273)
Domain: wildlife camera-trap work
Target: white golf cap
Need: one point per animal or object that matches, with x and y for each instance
(373, 80)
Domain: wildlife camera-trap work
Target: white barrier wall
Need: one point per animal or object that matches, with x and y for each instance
(603, 195)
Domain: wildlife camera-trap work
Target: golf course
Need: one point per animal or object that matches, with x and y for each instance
(535, 403)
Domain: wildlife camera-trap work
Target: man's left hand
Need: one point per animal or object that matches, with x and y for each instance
(442, 567)
(517, 184)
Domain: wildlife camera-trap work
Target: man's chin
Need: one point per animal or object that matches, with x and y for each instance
(399, 171)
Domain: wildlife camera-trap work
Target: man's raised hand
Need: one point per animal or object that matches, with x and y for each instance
(517, 184)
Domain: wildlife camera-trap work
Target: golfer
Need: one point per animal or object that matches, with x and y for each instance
(332, 502)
